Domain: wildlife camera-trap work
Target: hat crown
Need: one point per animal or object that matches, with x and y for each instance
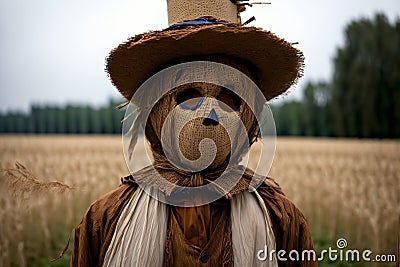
(182, 10)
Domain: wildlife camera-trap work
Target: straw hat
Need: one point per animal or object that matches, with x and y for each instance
(201, 28)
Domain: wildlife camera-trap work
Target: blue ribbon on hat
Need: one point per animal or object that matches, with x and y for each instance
(198, 21)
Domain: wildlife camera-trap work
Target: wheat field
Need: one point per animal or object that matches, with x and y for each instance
(346, 188)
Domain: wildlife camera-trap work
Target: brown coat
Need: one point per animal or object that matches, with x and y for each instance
(94, 233)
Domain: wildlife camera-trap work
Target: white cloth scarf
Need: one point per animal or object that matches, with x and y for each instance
(140, 234)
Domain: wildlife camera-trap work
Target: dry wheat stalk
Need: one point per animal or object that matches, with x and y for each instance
(23, 184)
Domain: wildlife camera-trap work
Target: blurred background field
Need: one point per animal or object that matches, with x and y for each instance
(347, 188)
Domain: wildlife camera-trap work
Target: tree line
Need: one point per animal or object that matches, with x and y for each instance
(69, 119)
(360, 100)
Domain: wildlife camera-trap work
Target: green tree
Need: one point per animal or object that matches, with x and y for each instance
(2, 123)
(95, 121)
(316, 117)
(72, 119)
(83, 118)
(38, 117)
(51, 119)
(61, 120)
(366, 80)
(288, 118)
(117, 114)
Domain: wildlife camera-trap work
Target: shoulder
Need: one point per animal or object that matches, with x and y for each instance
(277, 201)
(110, 203)
(94, 233)
(289, 224)
(113, 197)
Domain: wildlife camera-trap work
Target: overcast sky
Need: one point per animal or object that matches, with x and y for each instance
(54, 51)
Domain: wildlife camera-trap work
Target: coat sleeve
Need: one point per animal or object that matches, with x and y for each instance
(288, 223)
(86, 241)
(94, 233)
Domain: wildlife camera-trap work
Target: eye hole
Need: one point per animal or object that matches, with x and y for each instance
(189, 98)
(231, 99)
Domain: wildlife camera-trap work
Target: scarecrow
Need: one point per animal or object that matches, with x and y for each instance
(200, 114)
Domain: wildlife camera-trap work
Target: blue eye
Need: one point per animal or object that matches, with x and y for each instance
(189, 99)
(192, 104)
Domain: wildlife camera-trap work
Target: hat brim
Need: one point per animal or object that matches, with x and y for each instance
(277, 63)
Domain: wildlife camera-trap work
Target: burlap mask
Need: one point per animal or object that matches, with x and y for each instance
(199, 137)
(185, 136)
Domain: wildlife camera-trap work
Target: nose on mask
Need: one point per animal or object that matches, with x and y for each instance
(201, 137)
(212, 118)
